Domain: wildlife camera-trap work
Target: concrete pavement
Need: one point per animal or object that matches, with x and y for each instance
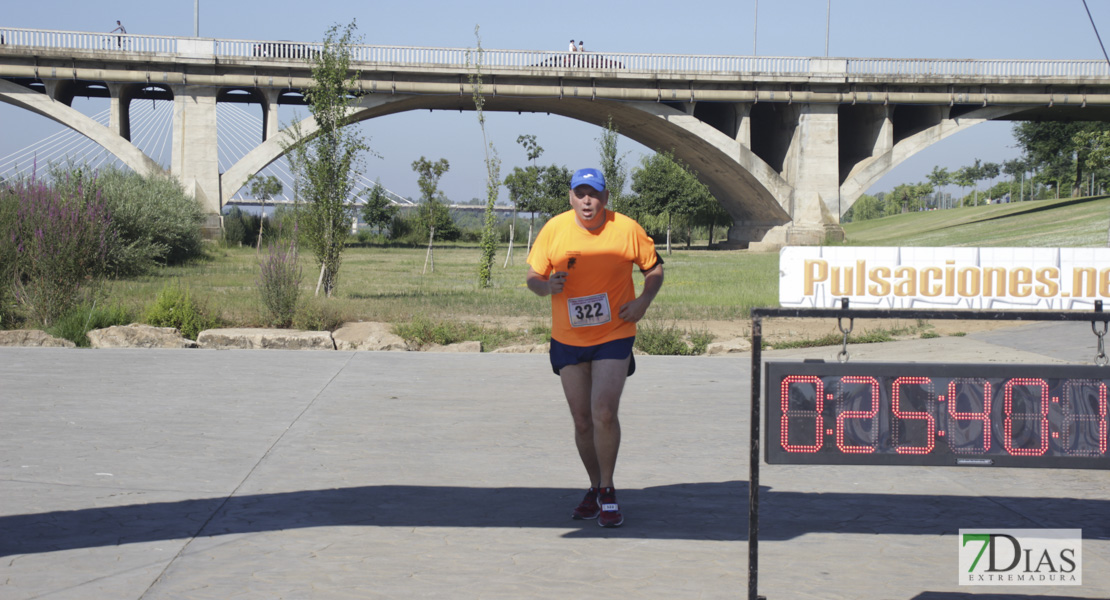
(193, 474)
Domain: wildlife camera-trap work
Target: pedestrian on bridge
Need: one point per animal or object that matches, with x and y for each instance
(121, 29)
(583, 259)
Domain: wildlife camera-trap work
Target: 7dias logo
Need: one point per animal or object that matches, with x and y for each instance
(1021, 557)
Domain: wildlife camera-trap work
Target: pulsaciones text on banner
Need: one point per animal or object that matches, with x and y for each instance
(957, 278)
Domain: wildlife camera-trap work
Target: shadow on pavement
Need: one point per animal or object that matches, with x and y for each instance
(698, 511)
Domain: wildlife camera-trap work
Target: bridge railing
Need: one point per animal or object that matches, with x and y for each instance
(412, 56)
(83, 40)
(523, 59)
(977, 67)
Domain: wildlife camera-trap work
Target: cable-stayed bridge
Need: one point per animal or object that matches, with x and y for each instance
(787, 144)
(151, 132)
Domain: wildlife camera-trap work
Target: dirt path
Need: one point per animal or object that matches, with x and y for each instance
(793, 329)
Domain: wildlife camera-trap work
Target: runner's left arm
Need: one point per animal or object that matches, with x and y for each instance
(633, 311)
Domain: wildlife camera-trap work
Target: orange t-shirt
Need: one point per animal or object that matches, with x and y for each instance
(599, 275)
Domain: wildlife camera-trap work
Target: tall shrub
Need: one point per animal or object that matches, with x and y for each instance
(156, 221)
(280, 282)
(235, 230)
(8, 206)
(61, 248)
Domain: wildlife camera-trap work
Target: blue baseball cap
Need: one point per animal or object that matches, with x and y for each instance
(590, 177)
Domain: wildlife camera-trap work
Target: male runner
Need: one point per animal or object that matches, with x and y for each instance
(583, 259)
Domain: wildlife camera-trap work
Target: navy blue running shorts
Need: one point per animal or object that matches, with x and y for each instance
(565, 354)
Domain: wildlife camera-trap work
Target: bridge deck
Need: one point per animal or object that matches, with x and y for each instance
(12, 39)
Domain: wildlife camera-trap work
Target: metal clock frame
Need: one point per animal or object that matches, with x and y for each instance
(844, 312)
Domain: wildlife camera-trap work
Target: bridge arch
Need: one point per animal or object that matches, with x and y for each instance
(869, 171)
(42, 104)
(752, 192)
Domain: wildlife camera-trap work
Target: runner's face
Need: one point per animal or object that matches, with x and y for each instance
(589, 205)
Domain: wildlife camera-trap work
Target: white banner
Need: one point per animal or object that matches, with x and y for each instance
(958, 278)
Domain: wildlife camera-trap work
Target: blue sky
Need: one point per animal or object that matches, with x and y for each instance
(1029, 29)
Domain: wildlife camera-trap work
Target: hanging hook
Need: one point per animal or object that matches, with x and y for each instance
(1100, 358)
(842, 356)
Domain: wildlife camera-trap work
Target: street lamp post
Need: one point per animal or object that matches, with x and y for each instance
(828, 11)
(755, 34)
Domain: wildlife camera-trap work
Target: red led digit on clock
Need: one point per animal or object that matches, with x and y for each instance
(962, 391)
(898, 428)
(1084, 425)
(789, 413)
(871, 415)
(1040, 417)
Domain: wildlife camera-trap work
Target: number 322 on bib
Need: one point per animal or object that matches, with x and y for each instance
(588, 311)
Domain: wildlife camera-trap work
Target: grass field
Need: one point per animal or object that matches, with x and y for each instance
(386, 284)
(380, 283)
(1069, 222)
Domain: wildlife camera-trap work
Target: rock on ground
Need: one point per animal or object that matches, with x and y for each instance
(368, 336)
(34, 338)
(272, 339)
(523, 349)
(729, 347)
(471, 346)
(138, 335)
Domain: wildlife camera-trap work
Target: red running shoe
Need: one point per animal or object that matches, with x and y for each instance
(589, 508)
(610, 515)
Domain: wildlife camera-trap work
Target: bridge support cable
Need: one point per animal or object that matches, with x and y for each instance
(54, 148)
(235, 143)
(151, 130)
(10, 163)
(1097, 36)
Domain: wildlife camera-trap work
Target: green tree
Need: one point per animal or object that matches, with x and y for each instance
(432, 216)
(613, 167)
(1016, 168)
(865, 207)
(554, 190)
(987, 172)
(939, 177)
(1093, 147)
(1054, 151)
(966, 176)
(533, 151)
(666, 186)
(263, 188)
(908, 197)
(711, 215)
(329, 160)
(493, 176)
(525, 194)
(378, 211)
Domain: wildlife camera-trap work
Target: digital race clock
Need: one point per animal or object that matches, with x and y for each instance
(1005, 415)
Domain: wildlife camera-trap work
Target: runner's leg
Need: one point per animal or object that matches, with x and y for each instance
(607, 383)
(576, 381)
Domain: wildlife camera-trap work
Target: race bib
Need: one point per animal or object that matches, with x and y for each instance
(588, 311)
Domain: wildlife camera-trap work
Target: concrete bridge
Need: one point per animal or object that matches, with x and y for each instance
(786, 144)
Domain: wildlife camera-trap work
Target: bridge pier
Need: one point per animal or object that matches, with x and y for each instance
(270, 121)
(119, 120)
(194, 159)
(808, 135)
